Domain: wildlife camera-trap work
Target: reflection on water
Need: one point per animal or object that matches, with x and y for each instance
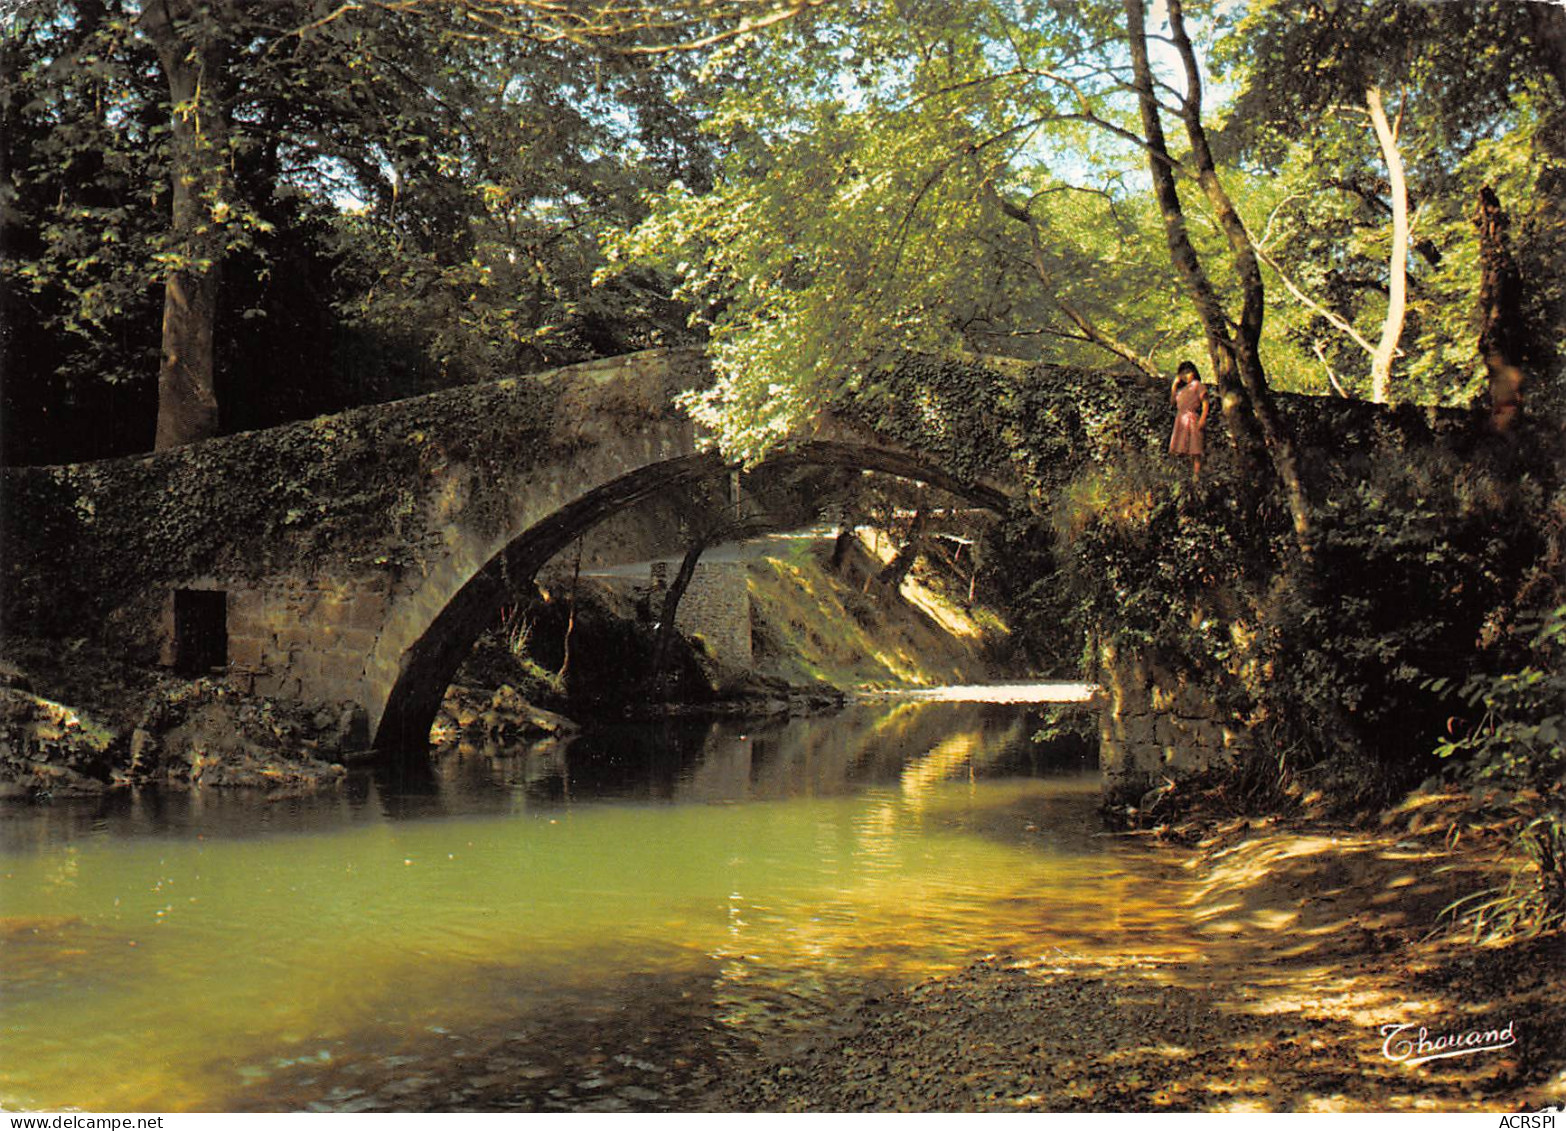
(590, 926)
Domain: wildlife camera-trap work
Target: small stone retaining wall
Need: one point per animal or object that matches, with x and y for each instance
(1155, 725)
(716, 607)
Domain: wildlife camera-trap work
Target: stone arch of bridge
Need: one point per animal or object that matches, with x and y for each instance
(421, 653)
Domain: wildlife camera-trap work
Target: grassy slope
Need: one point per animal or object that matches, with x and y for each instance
(814, 625)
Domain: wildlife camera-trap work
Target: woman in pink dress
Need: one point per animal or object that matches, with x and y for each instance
(1190, 400)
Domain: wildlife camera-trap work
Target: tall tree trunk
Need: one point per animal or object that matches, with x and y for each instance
(570, 628)
(671, 607)
(1236, 358)
(1500, 312)
(192, 57)
(841, 544)
(891, 576)
(1182, 253)
(1397, 267)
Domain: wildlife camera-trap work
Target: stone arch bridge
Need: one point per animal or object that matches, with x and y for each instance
(356, 557)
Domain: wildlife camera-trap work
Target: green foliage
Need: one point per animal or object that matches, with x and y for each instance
(326, 496)
(1515, 745)
(1143, 550)
(491, 248)
(1299, 63)
(1328, 229)
(1421, 552)
(1474, 104)
(402, 206)
(1518, 736)
(78, 236)
(1533, 900)
(948, 409)
(858, 212)
(502, 655)
(1019, 566)
(1072, 727)
(1420, 547)
(878, 161)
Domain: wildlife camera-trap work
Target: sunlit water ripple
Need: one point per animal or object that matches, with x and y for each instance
(594, 928)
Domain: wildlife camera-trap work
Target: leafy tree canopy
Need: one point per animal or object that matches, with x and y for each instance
(401, 203)
(1472, 100)
(923, 175)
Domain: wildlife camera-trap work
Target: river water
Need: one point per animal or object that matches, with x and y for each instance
(597, 926)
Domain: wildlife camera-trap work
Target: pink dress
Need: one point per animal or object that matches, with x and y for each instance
(1186, 440)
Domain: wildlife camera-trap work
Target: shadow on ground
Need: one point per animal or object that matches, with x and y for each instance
(1296, 950)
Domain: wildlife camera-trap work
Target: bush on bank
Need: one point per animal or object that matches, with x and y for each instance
(1425, 561)
(1410, 650)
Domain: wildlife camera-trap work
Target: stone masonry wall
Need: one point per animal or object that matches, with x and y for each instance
(716, 607)
(294, 639)
(383, 489)
(1154, 724)
(364, 550)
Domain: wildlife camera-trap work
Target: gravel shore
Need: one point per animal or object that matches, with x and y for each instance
(1294, 949)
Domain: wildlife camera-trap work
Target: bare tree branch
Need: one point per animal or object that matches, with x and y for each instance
(1332, 378)
(1294, 289)
(1397, 267)
(594, 21)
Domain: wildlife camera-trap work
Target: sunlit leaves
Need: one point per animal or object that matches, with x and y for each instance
(492, 248)
(859, 211)
(438, 192)
(1468, 90)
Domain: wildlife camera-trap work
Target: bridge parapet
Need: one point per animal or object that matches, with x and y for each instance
(386, 489)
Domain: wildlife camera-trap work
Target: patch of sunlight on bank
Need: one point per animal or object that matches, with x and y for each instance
(815, 625)
(952, 618)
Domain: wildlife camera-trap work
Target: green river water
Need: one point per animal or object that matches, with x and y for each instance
(594, 927)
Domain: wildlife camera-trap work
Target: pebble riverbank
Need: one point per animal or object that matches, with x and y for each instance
(1300, 946)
